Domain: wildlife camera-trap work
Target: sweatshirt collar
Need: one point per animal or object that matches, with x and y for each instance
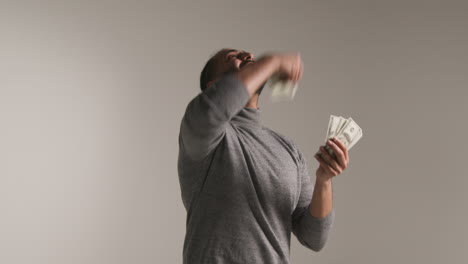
(248, 117)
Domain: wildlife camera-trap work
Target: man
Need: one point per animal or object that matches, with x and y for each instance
(246, 187)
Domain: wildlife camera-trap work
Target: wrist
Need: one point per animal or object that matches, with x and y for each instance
(273, 61)
(276, 60)
(323, 181)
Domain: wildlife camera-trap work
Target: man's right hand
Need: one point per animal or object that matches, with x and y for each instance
(290, 66)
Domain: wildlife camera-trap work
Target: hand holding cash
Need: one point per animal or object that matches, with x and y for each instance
(342, 134)
(283, 84)
(345, 130)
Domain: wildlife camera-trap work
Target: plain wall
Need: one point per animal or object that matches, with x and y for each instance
(92, 94)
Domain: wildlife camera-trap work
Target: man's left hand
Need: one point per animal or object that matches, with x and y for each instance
(334, 167)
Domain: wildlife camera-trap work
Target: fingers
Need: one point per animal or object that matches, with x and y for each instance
(301, 70)
(325, 166)
(331, 161)
(291, 67)
(295, 69)
(299, 67)
(330, 165)
(293, 72)
(342, 147)
(340, 155)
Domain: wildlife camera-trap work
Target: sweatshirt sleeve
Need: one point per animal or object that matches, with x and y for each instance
(206, 116)
(312, 232)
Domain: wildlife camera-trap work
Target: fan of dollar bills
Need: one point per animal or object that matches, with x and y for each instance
(345, 130)
(281, 90)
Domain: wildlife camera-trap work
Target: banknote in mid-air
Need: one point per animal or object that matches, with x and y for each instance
(281, 90)
(347, 131)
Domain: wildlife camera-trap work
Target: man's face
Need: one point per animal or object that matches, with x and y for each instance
(232, 60)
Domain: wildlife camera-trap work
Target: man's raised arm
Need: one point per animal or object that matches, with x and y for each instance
(206, 116)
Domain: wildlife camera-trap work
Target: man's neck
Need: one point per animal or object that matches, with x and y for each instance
(253, 102)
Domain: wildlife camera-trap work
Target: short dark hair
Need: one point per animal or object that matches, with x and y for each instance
(208, 73)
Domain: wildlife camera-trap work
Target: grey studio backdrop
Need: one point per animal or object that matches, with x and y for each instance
(92, 94)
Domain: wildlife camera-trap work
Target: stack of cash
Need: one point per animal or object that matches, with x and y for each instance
(281, 90)
(345, 130)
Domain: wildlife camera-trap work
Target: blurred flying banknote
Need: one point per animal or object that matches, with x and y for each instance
(347, 131)
(281, 90)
